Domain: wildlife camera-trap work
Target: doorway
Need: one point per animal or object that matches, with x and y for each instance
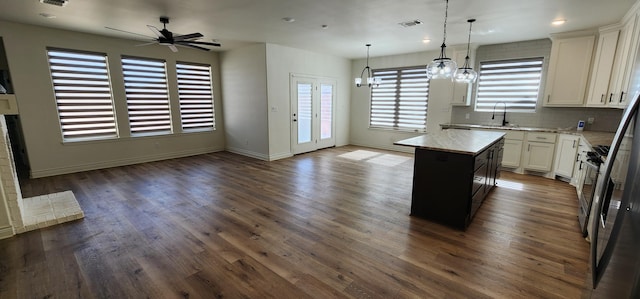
(312, 113)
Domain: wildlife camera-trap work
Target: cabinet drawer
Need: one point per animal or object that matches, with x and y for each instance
(517, 135)
(481, 160)
(541, 137)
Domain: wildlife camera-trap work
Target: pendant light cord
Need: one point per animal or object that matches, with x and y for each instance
(469, 39)
(446, 14)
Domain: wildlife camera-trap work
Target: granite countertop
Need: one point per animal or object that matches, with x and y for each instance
(592, 137)
(456, 141)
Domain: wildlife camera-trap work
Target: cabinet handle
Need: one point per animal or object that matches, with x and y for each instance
(464, 99)
(574, 144)
(610, 96)
(548, 98)
(577, 157)
(602, 98)
(580, 167)
(529, 148)
(621, 95)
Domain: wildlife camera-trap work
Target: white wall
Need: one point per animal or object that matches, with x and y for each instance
(439, 110)
(244, 91)
(283, 61)
(25, 47)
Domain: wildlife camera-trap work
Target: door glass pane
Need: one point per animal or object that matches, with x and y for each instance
(304, 112)
(326, 117)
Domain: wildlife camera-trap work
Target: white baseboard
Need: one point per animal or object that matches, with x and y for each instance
(280, 156)
(251, 154)
(389, 147)
(6, 232)
(37, 173)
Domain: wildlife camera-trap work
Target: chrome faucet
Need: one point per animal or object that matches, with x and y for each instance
(504, 115)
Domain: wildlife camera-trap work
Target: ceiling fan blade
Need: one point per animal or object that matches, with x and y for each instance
(156, 31)
(184, 44)
(173, 48)
(188, 36)
(146, 44)
(114, 29)
(204, 43)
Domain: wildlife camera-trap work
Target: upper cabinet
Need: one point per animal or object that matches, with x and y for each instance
(623, 67)
(599, 95)
(461, 91)
(610, 69)
(569, 67)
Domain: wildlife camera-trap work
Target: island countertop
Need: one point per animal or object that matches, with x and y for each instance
(455, 141)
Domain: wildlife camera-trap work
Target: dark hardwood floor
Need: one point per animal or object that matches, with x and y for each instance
(321, 225)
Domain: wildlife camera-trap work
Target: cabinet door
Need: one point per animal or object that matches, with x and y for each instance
(461, 91)
(538, 156)
(566, 155)
(599, 93)
(511, 153)
(624, 65)
(569, 67)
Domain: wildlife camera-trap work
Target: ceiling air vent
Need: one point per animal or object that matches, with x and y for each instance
(55, 2)
(410, 23)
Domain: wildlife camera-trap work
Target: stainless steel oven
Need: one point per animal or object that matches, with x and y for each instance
(591, 169)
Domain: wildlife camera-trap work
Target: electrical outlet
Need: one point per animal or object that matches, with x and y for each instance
(590, 120)
(466, 116)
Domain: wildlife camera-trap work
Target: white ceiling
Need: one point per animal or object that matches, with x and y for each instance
(351, 23)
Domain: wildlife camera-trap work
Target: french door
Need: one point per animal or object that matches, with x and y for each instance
(312, 113)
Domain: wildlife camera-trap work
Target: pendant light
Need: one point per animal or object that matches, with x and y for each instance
(466, 74)
(442, 67)
(370, 79)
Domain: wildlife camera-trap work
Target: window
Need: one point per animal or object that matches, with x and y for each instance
(196, 98)
(400, 101)
(145, 84)
(83, 95)
(513, 82)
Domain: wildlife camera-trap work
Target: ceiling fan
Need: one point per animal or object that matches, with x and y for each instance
(166, 38)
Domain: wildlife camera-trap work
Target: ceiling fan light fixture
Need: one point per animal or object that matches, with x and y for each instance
(466, 74)
(442, 67)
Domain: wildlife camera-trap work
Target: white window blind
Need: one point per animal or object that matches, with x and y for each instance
(196, 97)
(400, 101)
(83, 94)
(145, 83)
(515, 83)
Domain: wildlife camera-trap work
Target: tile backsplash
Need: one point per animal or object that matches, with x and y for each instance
(605, 120)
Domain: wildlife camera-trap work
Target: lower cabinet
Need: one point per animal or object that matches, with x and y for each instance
(450, 187)
(539, 151)
(566, 155)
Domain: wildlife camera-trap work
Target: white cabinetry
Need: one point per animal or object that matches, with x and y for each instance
(512, 149)
(623, 66)
(569, 67)
(539, 151)
(566, 155)
(599, 95)
(581, 155)
(461, 91)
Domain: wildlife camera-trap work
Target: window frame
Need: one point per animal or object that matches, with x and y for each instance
(72, 117)
(528, 106)
(397, 100)
(152, 114)
(186, 109)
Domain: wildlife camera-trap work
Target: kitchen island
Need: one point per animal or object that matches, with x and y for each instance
(453, 172)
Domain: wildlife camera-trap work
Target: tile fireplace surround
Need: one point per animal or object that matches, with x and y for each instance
(19, 215)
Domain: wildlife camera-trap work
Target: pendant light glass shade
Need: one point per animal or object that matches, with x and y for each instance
(466, 74)
(442, 67)
(370, 79)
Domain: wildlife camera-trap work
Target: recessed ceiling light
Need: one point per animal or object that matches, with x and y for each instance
(324, 26)
(289, 20)
(47, 15)
(426, 41)
(558, 22)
